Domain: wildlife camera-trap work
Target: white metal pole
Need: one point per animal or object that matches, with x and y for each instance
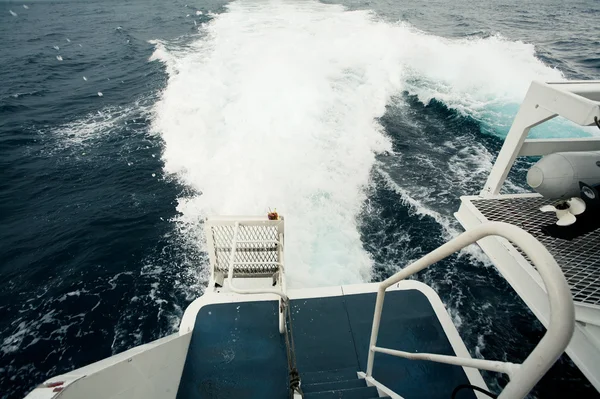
(282, 303)
(482, 364)
(232, 252)
(530, 114)
(375, 328)
(211, 249)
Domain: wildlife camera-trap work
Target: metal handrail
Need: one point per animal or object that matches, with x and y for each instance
(524, 376)
(233, 288)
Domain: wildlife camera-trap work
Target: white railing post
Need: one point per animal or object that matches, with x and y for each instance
(575, 101)
(230, 272)
(281, 293)
(530, 114)
(375, 328)
(232, 251)
(526, 119)
(523, 377)
(281, 276)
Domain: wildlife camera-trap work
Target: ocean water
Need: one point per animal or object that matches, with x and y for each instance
(123, 124)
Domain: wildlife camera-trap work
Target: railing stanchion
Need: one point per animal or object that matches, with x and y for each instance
(523, 377)
(375, 329)
(281, 293)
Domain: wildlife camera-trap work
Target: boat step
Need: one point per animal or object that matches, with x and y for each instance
(333, 385)
(352, 393)
(316, 377)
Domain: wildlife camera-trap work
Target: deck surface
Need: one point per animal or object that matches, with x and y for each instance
(236, 350)
(578, 258)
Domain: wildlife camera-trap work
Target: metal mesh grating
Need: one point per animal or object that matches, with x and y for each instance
(579, 258)
(259, 251)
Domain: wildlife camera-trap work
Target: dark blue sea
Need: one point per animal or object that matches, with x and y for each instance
(124, 123)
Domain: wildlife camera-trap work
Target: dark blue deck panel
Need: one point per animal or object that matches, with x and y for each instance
(408, 323)
(236, 350)
(322, 335)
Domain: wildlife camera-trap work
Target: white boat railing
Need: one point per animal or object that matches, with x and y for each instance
(280, 293)
(258, 245)
(524, 376)
(233, 288)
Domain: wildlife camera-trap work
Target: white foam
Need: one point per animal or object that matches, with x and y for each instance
(95, 125)
(113, 280)
(162, 54)
(72, 293)
(447, 222)
(25, 329)
(275, 105)
(486, 78)
(418, 207)
(473, 75)
(14, 14)
(416, 195)
(276, 108)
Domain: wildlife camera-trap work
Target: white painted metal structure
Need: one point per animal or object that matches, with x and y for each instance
(153, 371)
(260, 254)
(150, 371)
(579, 102)
(523, 377)
(253, 247)
(247, 248)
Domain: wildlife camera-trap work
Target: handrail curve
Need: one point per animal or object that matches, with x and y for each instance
(560, 328)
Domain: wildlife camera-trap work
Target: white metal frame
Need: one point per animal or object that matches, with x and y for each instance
(283, 299)
(382, 390)
(584, 348)
(458, 346)
(236, 222)
(231, 221)
(523, 377)
(232, 263)
(142, 374)
(469, 216)
(149, 371)
(577, 101)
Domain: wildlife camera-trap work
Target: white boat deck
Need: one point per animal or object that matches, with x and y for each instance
(579, 258)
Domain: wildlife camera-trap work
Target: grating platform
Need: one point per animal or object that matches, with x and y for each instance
(256, 248)
(579, 258)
